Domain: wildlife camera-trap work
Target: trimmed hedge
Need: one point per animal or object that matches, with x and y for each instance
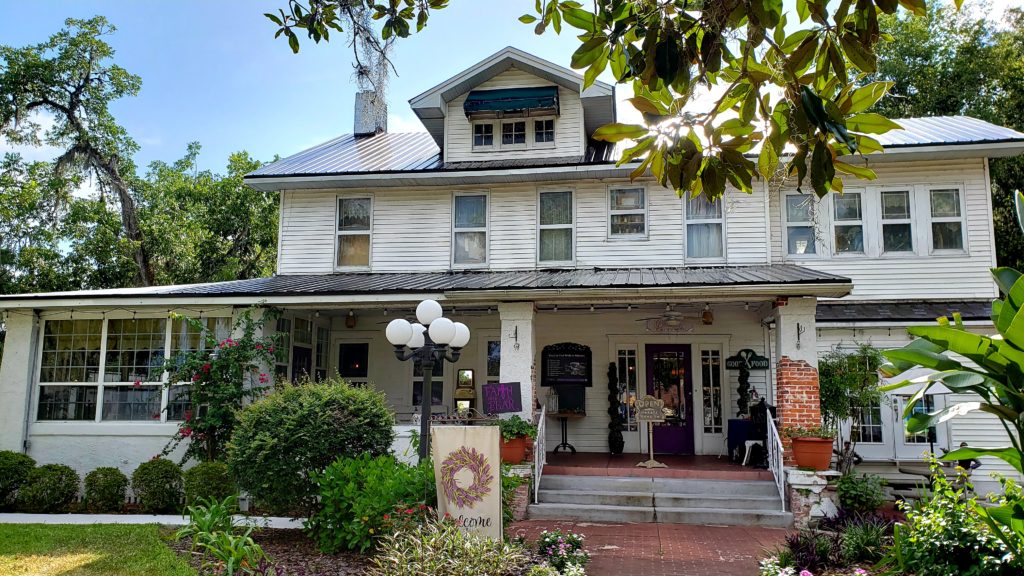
(208, 480)
(157, 485)
(48, 489)
(105, 490)
(14, 470)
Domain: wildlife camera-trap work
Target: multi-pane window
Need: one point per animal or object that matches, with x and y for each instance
(469, 235)
(543, 131)
(354, 362)
(355, 216)
(868, 428)
(626, 365)
(493, 361)
(513, 133)
(848, 223)
(946, 219)
(71, 351)
(925, 405)
(704, 228)
(135, 355)
(800, 237)
(556, 223)
(67, 402)
(627, 212)
(436, 384)
(320, 363)
(187, 338)
(711, 384)
(483, 135)
(897, 221)
(283, 348)
(178, 402)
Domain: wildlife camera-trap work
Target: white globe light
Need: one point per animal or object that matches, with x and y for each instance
(461, 337)
(399, 331)
(442, 330)
(417, 340)
(428, 311)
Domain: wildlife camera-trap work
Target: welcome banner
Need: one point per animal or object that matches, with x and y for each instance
(467, 466)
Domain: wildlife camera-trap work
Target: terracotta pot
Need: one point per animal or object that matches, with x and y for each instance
(813, 453)
(513, 451)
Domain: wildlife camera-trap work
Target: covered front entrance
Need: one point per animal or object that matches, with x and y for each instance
(668, 379)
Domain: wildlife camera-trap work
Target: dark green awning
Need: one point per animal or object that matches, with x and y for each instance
(512, 100)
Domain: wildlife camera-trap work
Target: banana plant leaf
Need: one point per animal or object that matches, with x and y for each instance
(1008, 454)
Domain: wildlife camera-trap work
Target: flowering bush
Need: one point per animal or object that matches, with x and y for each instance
(562, 549)
(221, 375)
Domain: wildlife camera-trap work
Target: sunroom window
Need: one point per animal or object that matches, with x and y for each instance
(947, 219)
(897, 222)
(354, 229)
(848, 224)
(469, 235)
(800, 237)
(555, 223)
(704, 229)
(627, 212)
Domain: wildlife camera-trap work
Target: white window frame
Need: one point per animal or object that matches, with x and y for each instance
(687, 222)
(834, 222)
(501, 133)
(339, 233)
(643, 211)
(484, 147)
(912, 220)
(571, 226)
(816, 207)
(926, 209)
(486, 230)
(533, 132)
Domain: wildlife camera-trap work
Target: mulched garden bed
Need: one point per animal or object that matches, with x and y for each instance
(292, 554)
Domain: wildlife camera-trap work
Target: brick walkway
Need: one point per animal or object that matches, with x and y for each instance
(665, 549)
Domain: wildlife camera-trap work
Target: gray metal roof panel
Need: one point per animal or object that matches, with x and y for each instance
(904, 311)
(946, 130)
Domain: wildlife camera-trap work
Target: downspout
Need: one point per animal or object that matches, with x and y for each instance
(33, 359)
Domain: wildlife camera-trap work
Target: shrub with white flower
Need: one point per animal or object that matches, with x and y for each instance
(772, 567)
(563, 551)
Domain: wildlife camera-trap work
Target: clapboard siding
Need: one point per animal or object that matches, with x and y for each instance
(916, 277)
(306, 233)
(569, 137)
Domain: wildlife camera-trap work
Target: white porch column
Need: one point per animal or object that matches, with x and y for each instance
(518, 350)
(16, 377)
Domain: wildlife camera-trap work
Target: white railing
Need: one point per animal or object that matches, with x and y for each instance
(539, 453)
(774, 449)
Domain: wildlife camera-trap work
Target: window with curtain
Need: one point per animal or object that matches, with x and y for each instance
(897, 221)
(483, 135)
(543, 131)
(848, 223)
(355, 217)
(555, 237)
(800, 239)
(704, 228)
(947, 219)
(627, 212)
(513, 133)
(469, 236)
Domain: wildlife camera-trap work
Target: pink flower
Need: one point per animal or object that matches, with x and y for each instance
(186, 432)
(206, 368)
(263, 379)
(196, 377)
(259, 346)
(137, 383)
(271, 349)
(806, 573)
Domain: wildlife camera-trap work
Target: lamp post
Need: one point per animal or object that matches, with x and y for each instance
(431, 340)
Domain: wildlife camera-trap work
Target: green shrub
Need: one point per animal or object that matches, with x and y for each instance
(49, 488)
(105, 490)
(861, 494)
(208, 480)
(865, 540)
(440, 548)
(157, 485)
(283, 440)
(358, 496)
(207, 518)
(509, 483)
(515, 427)
(813, 550)
(14, 469)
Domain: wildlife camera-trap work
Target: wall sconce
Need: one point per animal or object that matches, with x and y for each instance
(351, 319)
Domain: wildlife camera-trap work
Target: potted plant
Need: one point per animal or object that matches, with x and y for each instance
(812, 447)
(514, 434)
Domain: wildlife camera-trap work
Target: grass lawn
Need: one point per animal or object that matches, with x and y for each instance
(96, 550)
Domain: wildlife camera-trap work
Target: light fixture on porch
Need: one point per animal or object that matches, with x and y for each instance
(431, 340)
(707, 316)
(350, 320)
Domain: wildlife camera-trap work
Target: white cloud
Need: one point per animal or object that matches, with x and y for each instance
(403, 123)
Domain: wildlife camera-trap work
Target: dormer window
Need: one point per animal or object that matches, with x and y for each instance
(513, 134)
(544, 131)
(483, 135)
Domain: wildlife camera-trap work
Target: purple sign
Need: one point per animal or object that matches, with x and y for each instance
(502, 397)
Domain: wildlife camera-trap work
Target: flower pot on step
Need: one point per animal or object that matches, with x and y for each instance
(815, 453)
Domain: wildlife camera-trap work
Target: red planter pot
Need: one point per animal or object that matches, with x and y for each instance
(513, 451)
(813, 453)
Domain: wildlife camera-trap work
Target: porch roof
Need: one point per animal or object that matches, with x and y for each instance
(779, 279)
(904, 311)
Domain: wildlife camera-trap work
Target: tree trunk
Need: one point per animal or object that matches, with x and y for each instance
(129, 218)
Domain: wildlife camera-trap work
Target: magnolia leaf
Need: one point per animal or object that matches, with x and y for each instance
(767, 160)
(871, 123)
(862, 172)
(864, 97)
(617, 131)
(861, 56)
(581, 19)
(527, 18)
(595, 69)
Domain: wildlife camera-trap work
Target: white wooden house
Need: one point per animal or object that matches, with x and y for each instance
(522, 226)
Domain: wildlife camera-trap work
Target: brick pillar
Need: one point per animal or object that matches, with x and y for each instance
(797, 396)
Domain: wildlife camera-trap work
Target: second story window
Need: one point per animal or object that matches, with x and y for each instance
(483, 135)
(897, 226)
(627, 212)
(513, 133)
(947, 220)
(544, 131)
(354, 223)
(704, 228)
(800, 237)
(469, 233)
(555, 223)
(848, 224)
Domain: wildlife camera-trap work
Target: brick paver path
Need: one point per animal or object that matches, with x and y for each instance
(665, 549)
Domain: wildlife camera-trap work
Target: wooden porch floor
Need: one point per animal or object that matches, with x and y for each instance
(596, 464)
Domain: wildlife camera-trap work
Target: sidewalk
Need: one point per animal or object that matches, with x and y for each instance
(665, 549)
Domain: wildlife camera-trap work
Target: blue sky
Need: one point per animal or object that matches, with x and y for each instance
(212, 71)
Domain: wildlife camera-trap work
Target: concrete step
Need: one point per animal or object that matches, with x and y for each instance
(752, 503)
(716, 487)
(596, 497)
(590, 513)
(597, 483)
(724, 517)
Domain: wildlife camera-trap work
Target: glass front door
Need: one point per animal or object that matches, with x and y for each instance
(668, 378)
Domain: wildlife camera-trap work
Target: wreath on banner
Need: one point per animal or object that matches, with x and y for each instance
(469, 459)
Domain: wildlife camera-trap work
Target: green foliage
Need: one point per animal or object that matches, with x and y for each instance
(208, 481)
(542, 570)
(157, 485)
(515, 427)
(848, 381)
(806, 432)
(317, 18)
(358, 496)
(105, 490)
(229, 554)
(209, 516)
(440, 548)
(944, 536)
(282, 441)
(562, 549)
(814, 550)
(863, 494)
(47, 489)
(509, 483)
(865, 540)
(14, 470)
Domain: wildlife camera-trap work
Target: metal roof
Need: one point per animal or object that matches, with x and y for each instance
(923, 311)
(416, 152)
(469, 281)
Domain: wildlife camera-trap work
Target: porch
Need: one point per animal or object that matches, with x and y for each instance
(625, 465)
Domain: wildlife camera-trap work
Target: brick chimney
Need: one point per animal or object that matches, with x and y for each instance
(371, 113)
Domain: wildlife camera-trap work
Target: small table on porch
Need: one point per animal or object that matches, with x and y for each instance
(563, 418)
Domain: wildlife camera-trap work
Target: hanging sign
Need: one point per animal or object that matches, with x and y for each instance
(502, 398)
(467, 466)
(566, 364)
(747, 359)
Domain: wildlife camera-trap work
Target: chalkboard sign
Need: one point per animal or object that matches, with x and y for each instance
(747, 359)
(502, 398)
(572, 399)
(566, 364)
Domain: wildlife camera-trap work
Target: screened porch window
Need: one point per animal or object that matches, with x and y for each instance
(555, 236)
(355, 217)
(469, 234)
(704, 228)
